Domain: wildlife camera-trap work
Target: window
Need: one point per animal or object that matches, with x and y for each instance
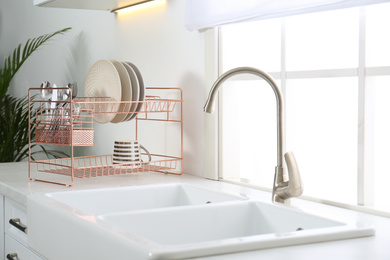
(334, 70)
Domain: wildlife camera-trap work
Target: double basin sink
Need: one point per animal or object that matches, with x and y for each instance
(169, 221)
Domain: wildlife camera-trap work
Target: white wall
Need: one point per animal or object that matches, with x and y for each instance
(154, 39)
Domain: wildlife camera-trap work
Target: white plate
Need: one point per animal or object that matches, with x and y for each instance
(103, 81)
(135, 90)
(141, 90)
(126, 92)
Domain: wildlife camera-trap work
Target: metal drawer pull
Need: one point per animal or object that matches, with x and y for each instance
(16, 223)
(12, 256)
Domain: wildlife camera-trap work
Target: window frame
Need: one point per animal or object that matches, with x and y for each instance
(365, 182)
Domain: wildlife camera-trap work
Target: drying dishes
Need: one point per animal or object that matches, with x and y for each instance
(135, 90)
(121, 81)
(126, 91)
(141, 88)
(103, 81)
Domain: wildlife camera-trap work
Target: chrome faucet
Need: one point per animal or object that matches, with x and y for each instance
(283, 189)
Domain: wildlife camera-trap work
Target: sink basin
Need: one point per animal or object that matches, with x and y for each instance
(169, 221)
(99, 201)
(226, 228)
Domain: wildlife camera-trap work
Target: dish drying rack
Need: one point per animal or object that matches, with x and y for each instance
(71, 123)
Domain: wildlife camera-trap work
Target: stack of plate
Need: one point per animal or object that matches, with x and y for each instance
(121, 81)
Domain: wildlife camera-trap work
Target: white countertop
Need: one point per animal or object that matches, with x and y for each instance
(14, 183)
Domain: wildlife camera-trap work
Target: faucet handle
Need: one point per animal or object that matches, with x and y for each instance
(295, 185)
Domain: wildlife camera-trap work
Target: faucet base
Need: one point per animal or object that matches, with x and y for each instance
(279, 200)
(279, 182)
(284, 188)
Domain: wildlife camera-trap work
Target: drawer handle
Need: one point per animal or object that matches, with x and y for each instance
(16, 223)
(12, 256)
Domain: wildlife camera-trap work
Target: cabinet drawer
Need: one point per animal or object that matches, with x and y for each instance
(15, 250)
(17, 214)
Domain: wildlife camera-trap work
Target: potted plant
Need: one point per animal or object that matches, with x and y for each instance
(14, 118)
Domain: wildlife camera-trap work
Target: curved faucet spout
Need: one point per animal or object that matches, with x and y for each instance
(279, 182)
(209, 106)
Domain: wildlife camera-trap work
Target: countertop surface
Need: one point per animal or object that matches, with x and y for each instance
(14, 184)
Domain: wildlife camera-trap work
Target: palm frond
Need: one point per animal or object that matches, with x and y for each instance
(14, 134)
(14, 117)
(13, 62)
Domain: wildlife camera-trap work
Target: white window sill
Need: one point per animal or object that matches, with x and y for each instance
(364, 209)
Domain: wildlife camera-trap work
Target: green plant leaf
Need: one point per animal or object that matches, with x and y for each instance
(14, 115)
(14, 135)
(13, 62)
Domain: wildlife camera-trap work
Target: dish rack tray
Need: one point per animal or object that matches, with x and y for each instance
(70, 123)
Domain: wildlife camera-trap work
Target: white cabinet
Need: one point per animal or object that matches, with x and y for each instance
(14, 235)
(15, 220)
(15, 250)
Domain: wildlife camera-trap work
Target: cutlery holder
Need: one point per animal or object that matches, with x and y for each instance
(65, 137)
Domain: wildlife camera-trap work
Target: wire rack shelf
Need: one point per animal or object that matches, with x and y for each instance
(71, 123)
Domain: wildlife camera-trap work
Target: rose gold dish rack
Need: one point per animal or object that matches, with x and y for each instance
(70, 123)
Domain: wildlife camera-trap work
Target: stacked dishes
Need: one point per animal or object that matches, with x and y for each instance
(121, 81)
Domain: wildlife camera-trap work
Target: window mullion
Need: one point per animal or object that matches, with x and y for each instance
(283, 56)
(283, 70)
(365, 168)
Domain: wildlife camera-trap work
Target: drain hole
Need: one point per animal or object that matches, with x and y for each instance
(299, 229)
(208, 202)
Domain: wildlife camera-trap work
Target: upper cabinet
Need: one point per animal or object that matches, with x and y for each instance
(88, 4)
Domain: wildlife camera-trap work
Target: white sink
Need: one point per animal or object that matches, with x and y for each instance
(170, 221)
(226, 228)
(99, 201)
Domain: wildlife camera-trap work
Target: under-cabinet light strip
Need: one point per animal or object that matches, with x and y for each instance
(131, 5)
